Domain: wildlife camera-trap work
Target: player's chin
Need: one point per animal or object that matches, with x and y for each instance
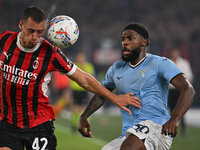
(126, 56)
(127, 59)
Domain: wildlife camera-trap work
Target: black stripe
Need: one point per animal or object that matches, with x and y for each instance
(25, 91)
(43, 70)
(62, 55)
(3, 92)
(13, 102)
(13, 89)
(58, 66)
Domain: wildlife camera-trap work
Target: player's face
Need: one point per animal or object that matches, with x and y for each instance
(31, 32)
(131, 45)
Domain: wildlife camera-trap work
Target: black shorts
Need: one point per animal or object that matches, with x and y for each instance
(40, 137)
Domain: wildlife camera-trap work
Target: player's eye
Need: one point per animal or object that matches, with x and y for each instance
(130, 38)
(40, 31)
(31, 30)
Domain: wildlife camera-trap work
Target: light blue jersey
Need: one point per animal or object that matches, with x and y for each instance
(149, 81)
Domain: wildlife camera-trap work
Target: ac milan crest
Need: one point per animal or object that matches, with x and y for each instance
(35, 64)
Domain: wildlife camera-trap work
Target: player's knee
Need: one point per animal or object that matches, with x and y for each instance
(4, 148)
(132, 143)
(127, 146)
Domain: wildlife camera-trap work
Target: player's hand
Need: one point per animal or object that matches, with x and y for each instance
(128, 99)
(84, 128)
(170, 127)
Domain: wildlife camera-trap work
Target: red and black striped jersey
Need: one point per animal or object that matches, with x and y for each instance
(25, 76)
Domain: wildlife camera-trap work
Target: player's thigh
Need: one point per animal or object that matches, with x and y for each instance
(9, 141)
(9, 137)
(41, 140)
(132, 142)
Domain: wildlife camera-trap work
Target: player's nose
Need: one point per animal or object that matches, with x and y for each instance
(124, 43)
(35, 36)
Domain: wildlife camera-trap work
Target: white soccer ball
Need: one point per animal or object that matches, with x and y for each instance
(63, 31)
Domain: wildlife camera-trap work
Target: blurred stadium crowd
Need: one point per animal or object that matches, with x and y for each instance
(170, 23)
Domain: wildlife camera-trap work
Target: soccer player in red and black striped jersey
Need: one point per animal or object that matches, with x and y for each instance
(26, 63)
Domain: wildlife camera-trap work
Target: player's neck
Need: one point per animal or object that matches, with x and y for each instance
(140, 58)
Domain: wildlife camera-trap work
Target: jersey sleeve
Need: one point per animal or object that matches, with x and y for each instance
(168, 69)
(63, 64)
(108, 81)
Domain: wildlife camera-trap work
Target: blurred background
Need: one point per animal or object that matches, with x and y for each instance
(171, 24)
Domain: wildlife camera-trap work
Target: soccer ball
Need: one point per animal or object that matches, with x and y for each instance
(63, 31)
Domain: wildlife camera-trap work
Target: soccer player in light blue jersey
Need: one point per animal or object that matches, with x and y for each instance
(148, 77)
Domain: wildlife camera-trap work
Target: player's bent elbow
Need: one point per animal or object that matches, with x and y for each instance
(190, 90)
(193, 92)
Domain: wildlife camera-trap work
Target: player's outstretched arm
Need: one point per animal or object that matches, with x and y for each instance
(91, 84)
(185, 100)
(84, 126)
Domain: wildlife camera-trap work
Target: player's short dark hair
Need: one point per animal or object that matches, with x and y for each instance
(139, 28)
(37, 14)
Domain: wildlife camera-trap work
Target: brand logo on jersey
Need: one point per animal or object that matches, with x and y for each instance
(35, 63)
(143, 72)
(6, 55)
(17, 75)
(119, 77)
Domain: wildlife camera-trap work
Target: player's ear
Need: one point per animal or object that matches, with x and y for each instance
(20, 24)
(144, 42)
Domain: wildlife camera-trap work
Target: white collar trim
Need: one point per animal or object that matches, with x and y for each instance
(139, 61)
(26, 49)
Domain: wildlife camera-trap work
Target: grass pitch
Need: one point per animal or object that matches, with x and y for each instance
(67, 140)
